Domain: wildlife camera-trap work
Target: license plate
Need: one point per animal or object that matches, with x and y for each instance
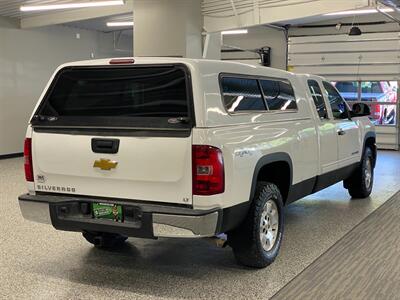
(107, 211)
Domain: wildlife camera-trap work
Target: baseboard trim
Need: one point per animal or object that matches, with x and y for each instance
(12, 155)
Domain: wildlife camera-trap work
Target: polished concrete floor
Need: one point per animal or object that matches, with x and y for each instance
(364, 264)
(38, 262)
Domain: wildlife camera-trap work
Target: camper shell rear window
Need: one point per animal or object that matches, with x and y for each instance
(245, 93)
(143, 96)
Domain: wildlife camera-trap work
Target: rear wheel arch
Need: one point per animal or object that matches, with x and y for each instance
(370, 142)
(268, 169)
(276, 168)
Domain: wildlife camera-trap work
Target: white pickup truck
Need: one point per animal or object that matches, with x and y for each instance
(171, 147)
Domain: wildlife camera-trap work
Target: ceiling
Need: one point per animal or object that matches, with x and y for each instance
(10, 8)
(94, 18)
(100, 24)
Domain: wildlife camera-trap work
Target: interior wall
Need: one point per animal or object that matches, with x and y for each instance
(258, 37)
(27, 60)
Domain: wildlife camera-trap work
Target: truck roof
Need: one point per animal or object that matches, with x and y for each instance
(202, 63)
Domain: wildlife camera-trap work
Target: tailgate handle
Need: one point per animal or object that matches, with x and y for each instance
(105, 146)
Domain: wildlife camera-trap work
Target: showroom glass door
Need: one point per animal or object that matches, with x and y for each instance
(382, 96)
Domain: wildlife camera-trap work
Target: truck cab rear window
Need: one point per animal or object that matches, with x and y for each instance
(115, 96)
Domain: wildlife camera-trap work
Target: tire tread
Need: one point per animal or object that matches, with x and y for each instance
(355, 184)
(244, 240)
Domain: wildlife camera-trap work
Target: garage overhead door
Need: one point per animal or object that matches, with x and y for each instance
(366, 67)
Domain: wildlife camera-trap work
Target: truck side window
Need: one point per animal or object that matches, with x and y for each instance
(318, 98)
(339, 106)
(279, 94)
(242, 94)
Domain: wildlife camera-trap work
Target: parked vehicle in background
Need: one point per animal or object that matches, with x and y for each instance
(376, 93)
(173, 147)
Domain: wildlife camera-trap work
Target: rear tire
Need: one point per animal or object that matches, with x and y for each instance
(361, 182)
(104, 240)
(257, 240)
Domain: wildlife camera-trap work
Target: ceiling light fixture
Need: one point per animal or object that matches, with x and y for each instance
(359, 12)
(71, 5)
(120, 24)
(238, 31)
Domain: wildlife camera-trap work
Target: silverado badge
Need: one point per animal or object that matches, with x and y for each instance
(105, 164)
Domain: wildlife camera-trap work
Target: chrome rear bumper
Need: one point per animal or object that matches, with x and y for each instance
(35, 211)
(185, 226)
(152, 220)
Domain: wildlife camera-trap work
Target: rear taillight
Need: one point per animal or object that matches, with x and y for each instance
(377, 111)
(28, 160)
(208, 170)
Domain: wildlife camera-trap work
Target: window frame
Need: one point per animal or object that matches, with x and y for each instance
(257, 78)
(327, 106)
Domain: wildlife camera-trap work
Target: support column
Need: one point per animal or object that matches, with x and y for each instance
(212, 46)
(167, 28)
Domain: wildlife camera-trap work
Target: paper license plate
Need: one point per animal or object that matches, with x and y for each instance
(107, 211)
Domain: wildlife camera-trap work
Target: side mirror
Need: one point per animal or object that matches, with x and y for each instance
(360, 110)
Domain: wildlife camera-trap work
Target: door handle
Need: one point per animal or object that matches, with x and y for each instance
(341, 132)
(110, 146)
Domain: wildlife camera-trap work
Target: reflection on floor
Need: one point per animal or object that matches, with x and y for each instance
(37, 261)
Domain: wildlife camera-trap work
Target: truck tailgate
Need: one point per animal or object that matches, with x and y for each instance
(147, 168)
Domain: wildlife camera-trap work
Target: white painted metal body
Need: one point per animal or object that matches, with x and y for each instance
(158, 169)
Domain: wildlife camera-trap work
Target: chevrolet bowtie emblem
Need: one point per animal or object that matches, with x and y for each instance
(105, 164)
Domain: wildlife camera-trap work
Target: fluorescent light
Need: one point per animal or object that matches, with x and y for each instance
(120, 24)
(71, 5)
(358, 12)
(230, 32)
